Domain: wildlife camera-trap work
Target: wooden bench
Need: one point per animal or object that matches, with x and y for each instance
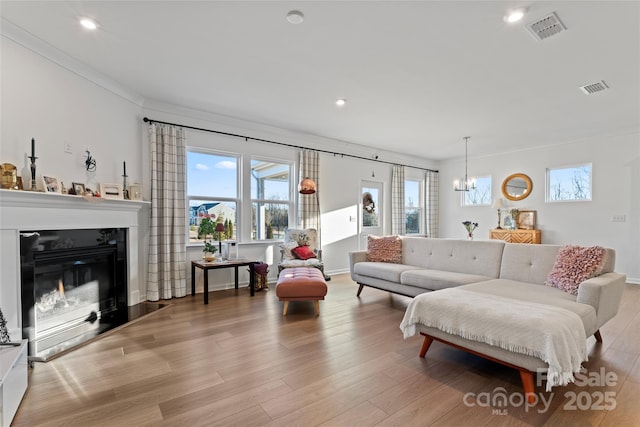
(301, 284)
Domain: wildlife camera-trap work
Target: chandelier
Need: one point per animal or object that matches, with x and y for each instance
(466, 183)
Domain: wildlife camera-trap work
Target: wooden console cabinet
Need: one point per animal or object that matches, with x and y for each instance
(516, 236)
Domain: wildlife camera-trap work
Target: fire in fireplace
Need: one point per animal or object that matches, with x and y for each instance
(73, 287)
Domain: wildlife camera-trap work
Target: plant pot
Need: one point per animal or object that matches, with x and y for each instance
(209, 256)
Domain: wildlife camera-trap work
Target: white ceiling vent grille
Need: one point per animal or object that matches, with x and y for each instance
(594, 87)
(546, 27)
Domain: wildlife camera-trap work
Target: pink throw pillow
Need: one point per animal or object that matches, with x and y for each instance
(384, 249)
(574, 265)
(303, 252)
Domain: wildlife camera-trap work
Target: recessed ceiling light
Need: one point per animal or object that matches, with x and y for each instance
(88, 23)
(341, 102)
(515, 15)
(295, 17)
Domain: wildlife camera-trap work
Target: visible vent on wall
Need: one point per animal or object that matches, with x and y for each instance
(546, 27)
(594, 87)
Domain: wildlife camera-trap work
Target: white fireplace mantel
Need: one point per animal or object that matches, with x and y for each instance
(30, 211)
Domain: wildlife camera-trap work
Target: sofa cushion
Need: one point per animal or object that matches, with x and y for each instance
(539, 294)
(384, 249)
(438, 279)
(574, 265)
(381, 270)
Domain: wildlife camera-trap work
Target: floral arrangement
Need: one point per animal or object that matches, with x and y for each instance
(470, 227)
(206, 228)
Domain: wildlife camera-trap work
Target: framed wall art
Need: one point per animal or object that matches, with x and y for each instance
(506, 220)
(78, 188)
(111, 191)
(526, 220)
(135, 191)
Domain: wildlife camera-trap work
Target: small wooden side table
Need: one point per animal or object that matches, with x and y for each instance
(206, 266)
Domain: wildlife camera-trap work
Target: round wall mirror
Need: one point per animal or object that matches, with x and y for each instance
(517, 186)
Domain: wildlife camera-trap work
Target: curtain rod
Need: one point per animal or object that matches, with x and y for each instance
(246, 138)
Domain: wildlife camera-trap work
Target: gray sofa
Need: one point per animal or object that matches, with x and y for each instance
(509, 270)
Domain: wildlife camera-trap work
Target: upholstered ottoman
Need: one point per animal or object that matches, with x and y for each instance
(301, 284)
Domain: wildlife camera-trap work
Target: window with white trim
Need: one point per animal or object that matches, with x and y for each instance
(270, 199)
(569, 184)
(413, 206)
(480, 195)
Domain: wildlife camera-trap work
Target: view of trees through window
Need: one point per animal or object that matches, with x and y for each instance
(569, 183)
(481, 195)
(412, 206)
(270, 199)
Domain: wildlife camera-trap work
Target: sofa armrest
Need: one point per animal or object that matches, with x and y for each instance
(354, 258)
(603, 293)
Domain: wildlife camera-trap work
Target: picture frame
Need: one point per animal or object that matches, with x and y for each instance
(78, 188)
(526, 220)
(506, 220)
(111, 191)
(135, 191)
(50, 184)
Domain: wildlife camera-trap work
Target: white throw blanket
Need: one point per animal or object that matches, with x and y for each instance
(552, 334)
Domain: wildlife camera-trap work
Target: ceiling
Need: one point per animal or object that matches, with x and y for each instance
(418, 76)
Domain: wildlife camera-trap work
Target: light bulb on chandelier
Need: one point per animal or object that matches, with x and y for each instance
(466, 183)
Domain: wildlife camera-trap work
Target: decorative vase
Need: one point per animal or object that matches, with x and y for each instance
(209, 256)
(470, 236)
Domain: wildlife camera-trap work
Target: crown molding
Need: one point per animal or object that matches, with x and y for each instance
(40, 47)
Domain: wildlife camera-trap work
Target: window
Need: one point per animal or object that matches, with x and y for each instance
(413, 206)
(569, 183)
(479, 196)
(270, 201)
(212, 191)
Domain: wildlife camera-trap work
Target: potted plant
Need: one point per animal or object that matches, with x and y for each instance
(205, 229)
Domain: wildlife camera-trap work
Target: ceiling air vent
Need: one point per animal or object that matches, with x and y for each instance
(594, 87)
(546, 27)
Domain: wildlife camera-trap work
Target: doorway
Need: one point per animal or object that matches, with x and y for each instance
(371, 219)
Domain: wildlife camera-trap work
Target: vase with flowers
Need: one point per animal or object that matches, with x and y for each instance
(470, 227)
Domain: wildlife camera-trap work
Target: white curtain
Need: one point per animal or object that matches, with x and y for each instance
(398, 215)
(167, 241)
(308, 204)
(431, 198)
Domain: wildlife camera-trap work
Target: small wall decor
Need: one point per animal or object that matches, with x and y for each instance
(135, 191)
(90, 162)
(78, 188)
(526, 220)
(50, 184)
(111, 191)
(506, 220)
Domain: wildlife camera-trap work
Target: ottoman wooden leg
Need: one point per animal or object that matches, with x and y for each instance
(284, 309)
(316, 303)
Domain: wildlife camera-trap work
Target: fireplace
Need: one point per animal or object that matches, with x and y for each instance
(74, 286)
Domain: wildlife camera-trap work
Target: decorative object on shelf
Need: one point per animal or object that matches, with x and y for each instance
(50, 184)
(526, 220)
(78, 188)
(517, 187)
(470, 227)
(4, 332)
(111, 191)
(9, 176)
(33, 158)
(125, 187)
(497, 204)
(466, 183)
(135, 191)
(507, 220)
(90, 162)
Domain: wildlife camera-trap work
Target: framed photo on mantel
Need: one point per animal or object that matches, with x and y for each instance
(111, 191)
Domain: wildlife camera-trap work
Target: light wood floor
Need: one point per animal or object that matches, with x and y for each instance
(238, 362)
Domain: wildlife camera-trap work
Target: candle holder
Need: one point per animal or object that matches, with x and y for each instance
(125, 187)
(33, 173)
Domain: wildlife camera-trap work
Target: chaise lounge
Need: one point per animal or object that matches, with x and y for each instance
(492, 301)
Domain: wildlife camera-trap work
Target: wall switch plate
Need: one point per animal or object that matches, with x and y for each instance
(67, 148)
(619, 218)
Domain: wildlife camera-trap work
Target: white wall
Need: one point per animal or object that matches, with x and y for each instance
(616, 186)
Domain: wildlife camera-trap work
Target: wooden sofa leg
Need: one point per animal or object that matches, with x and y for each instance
(285, 307)
(597, 335)
(425, 345)
(359, 290)
(527, 385)
(316, 304)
